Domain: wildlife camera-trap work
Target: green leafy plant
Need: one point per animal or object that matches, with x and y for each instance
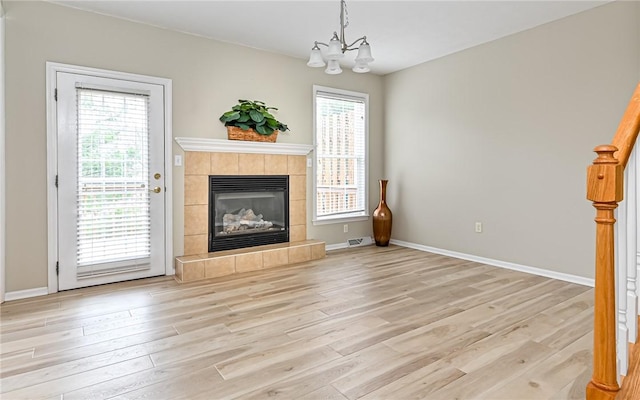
(255, 115)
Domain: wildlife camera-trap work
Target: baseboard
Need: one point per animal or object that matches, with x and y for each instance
(24, 294)
(502, 264)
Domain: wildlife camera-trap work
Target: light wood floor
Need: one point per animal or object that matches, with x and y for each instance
(365, 323)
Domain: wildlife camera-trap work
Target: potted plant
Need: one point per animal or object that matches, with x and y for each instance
(252, 120)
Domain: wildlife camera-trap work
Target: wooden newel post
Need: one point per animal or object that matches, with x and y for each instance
(604, 188)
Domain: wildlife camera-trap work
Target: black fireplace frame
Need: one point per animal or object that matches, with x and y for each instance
(240, 184)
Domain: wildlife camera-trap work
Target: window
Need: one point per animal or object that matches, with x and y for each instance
(340, 131)
(113, 214)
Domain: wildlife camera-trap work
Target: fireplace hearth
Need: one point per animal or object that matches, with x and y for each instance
(247, 211)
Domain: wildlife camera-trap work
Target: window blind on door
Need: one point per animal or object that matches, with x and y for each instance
(113, 213)
(341, 152)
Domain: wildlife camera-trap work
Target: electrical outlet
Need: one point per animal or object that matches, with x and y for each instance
(478, 227)
(345, 228)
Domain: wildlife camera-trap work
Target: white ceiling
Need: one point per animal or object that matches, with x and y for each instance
(401, 33)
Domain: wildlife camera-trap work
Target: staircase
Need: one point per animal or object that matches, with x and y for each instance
(605, 188)
(631, 384)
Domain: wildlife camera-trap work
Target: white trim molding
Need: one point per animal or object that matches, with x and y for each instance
(342, 220)
(239, 146)
(27, 293)
(497, 263)
(2, 159)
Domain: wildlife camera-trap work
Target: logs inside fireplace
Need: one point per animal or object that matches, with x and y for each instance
(247, 211)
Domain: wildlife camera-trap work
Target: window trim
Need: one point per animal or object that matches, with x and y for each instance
(347, 217)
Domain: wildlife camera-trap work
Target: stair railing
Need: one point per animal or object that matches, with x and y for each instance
(605, 188)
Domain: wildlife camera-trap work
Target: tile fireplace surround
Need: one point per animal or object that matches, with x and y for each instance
(204, 157)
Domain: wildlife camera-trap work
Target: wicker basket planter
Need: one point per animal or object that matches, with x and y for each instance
(235, 133)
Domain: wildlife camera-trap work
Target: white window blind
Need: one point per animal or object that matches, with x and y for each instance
(113, 177)
(340, 155)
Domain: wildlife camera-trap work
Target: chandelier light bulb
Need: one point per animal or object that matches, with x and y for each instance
(361, 67)
(335, 48)
(315, 59)
(364, 53)
(333, 68)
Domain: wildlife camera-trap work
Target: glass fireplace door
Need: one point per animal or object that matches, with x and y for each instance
(246, 211)
(250, 212)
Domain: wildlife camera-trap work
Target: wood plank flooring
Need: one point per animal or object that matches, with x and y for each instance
(365, 323)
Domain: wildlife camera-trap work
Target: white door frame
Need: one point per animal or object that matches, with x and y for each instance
(52, 159)
(2, 162)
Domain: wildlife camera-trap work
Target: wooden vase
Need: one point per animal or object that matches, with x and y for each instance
(382, 218)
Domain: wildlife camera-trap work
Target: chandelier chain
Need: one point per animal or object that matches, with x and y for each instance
(346, 15)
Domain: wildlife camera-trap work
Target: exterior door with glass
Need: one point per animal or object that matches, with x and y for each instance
(110, 179)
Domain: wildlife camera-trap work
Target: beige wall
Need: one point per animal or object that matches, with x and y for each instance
(208, 78)
(502, 133)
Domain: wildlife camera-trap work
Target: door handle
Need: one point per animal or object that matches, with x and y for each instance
(156, 189)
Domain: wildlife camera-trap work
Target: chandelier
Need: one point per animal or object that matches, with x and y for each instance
(338, 46)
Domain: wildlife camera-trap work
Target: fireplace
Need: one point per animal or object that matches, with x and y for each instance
(247, 211)
(206, 157)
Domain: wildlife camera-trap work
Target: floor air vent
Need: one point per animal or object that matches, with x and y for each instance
(362, 241)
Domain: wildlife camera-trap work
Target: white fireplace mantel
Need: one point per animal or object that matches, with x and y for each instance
(239, 146)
